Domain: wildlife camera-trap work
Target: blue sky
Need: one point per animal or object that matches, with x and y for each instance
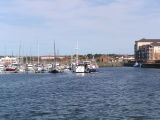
(100, 26)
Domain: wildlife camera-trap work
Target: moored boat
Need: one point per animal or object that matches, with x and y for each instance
(29, 68)
(90, 67)
(11, 69)
(56, 68)
(79, 68)
(2, 68)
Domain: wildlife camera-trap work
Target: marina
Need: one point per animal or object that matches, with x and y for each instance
(12, 65)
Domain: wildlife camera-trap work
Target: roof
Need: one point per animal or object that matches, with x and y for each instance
(148, 40)
(155, 44)
(151, 45)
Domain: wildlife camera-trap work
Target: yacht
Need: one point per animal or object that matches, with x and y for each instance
(11, 68)
(90, 67)
(2, 68)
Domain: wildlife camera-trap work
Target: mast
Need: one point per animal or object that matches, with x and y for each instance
(30, 57)
(54, 55)
(19, 53)
(77, 53)
(26, 59)
(38, 51)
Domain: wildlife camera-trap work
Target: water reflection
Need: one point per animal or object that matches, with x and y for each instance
(80, 74)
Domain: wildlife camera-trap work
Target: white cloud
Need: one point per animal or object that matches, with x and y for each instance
(120, 20)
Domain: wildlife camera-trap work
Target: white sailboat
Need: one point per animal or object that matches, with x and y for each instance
(77, 67)
(38, 67)
(29, 67)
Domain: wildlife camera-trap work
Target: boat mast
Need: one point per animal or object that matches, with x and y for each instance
(26, 59)
(54, 55)
(77, 53)
(19, 53)
(38, 51)
(30, 56)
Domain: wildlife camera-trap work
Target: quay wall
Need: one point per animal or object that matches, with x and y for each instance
(147, 65)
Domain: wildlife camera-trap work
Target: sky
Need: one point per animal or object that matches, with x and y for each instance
(99, 26)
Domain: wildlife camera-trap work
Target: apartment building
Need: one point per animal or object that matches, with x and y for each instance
(147, 49)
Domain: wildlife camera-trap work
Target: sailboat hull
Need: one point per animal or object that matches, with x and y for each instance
(54, 71)
(79, 69)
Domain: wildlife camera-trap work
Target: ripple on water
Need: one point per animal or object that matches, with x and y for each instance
(112, 94)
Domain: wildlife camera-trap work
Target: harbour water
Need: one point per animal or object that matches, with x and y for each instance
(115, 93)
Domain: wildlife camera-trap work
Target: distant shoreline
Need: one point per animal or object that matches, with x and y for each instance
(110, 64)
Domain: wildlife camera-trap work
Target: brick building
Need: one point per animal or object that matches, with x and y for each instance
(104, 59)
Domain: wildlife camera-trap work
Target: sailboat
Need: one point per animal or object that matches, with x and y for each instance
(38, 67)
(78, 67)
(29, 67)
(55, 66)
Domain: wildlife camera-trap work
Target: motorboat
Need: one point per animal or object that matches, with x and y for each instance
(137, 64)
(11, 69)
(90, 67)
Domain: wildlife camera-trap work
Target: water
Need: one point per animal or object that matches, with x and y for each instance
(113, 94)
